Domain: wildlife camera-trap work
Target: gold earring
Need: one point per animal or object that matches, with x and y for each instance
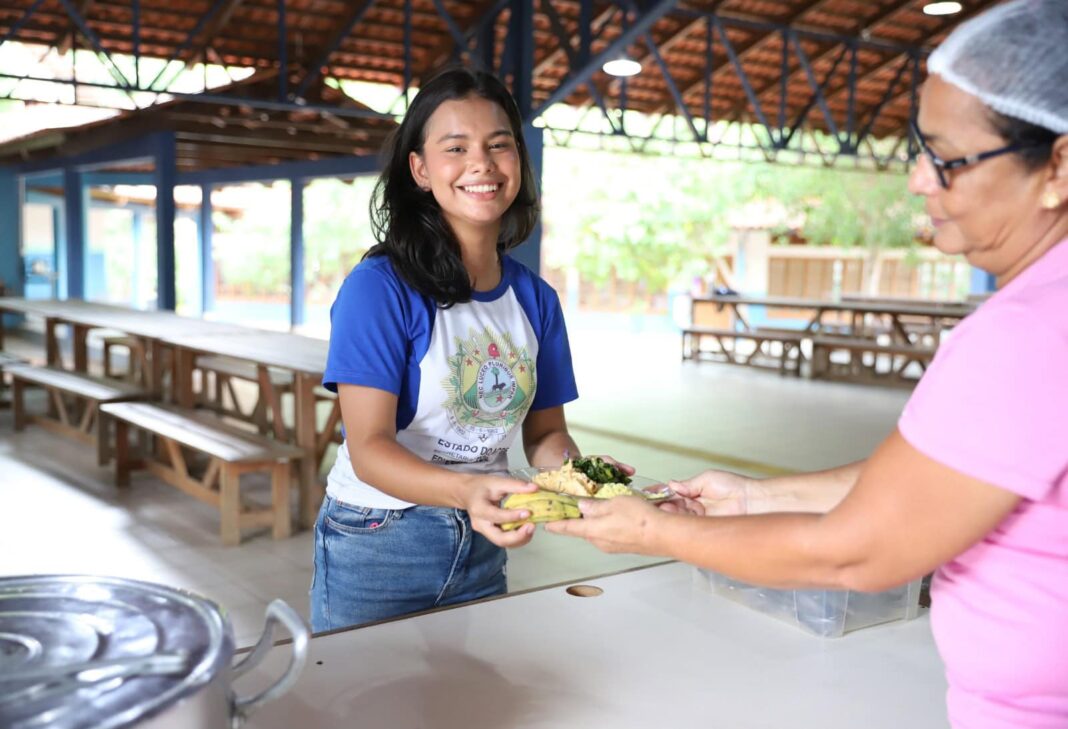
(1051, 200)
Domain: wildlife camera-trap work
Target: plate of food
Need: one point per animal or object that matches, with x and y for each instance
(593, 478)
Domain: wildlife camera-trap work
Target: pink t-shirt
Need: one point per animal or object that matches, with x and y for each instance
(994, 406)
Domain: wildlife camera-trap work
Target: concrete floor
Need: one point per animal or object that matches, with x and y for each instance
(60, 513)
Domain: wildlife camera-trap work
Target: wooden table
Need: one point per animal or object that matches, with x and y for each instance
(655, 650)
(83, 316)
(939, 316)
(304, 356)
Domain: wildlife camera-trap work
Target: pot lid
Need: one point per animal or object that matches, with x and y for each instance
(80, 651)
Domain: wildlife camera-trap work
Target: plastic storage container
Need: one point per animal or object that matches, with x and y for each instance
(826, 613)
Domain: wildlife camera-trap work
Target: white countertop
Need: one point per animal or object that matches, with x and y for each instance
(657, 649)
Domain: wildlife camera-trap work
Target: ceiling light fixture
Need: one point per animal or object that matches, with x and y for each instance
(622, 66)
(942, 8)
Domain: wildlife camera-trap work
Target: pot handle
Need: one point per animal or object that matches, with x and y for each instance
(277, 612)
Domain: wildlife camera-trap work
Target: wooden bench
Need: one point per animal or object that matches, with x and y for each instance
(762, 354)
(223, 371)
(863, 360)
(74, 401)
(231, 452)
(7, 360)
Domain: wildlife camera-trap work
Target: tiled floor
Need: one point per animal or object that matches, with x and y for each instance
(59, 512)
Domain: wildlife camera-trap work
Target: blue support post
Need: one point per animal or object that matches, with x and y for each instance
(72, 257)
(10, 231)
(166, 175)
(296, 252)
(521, 30)
(205, 230)
(137, 228)
(983, 282)
(529, 252)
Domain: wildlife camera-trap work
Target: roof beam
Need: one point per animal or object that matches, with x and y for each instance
(555, 55)
(17, 25)
(834, 90)
(746, 49)
(68, 40)
(221, 20)
(577, 77)
(826, 52)
(670, 42)
(440, 54)
(192, 36)
(341, 31)
(926, 37)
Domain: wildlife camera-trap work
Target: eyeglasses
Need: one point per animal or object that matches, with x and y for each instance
(942, 166)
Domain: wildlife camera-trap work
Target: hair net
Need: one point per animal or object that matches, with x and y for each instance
(1014, 57)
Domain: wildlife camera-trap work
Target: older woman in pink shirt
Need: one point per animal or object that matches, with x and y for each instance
(973, 483)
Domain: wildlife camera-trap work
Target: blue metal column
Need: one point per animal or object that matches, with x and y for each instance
(296, 252)
(205, 230)
(10, 231)
(983, 282)
(166, 172)
(521, 32)
(72, 256)
(59, 243)
(137, 234)
(529, 253)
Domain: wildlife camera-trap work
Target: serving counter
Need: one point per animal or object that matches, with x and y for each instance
(655, 650)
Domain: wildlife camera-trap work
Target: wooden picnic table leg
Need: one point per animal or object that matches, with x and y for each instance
(311, 491)
(52, 343)
(269, 395)
(281, 527)
(80, 341)
(739, 317)
(899, 329)
(184, 361)
(816, 322)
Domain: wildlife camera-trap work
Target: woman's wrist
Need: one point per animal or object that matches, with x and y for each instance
(459, 488)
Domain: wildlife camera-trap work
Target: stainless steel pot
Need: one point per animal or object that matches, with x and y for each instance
(108, 653)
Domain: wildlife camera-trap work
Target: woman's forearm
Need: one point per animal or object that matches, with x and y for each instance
(551, 449)
(816, 492)
(781, 550)
(390, 467)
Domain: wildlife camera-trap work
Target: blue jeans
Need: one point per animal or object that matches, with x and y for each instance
(372, 564)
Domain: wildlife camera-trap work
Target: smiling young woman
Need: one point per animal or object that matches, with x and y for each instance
(443, 351)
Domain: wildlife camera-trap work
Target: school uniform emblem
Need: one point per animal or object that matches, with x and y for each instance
(489, 385)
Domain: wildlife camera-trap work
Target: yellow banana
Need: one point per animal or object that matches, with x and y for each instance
(542, 505)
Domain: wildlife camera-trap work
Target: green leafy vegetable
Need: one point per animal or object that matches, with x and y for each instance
(599, 470)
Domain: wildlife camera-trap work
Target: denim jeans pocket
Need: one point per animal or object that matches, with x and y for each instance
(352, 519)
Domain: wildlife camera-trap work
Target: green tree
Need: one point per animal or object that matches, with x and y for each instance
(658, 220)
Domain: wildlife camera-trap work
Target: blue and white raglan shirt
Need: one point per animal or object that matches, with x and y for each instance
(465, 377)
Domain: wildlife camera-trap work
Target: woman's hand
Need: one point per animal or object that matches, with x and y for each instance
(482, 503)
(712, 493)
(622, 524)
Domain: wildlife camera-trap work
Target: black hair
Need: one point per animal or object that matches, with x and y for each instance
(408, 222)
(1037, 142)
